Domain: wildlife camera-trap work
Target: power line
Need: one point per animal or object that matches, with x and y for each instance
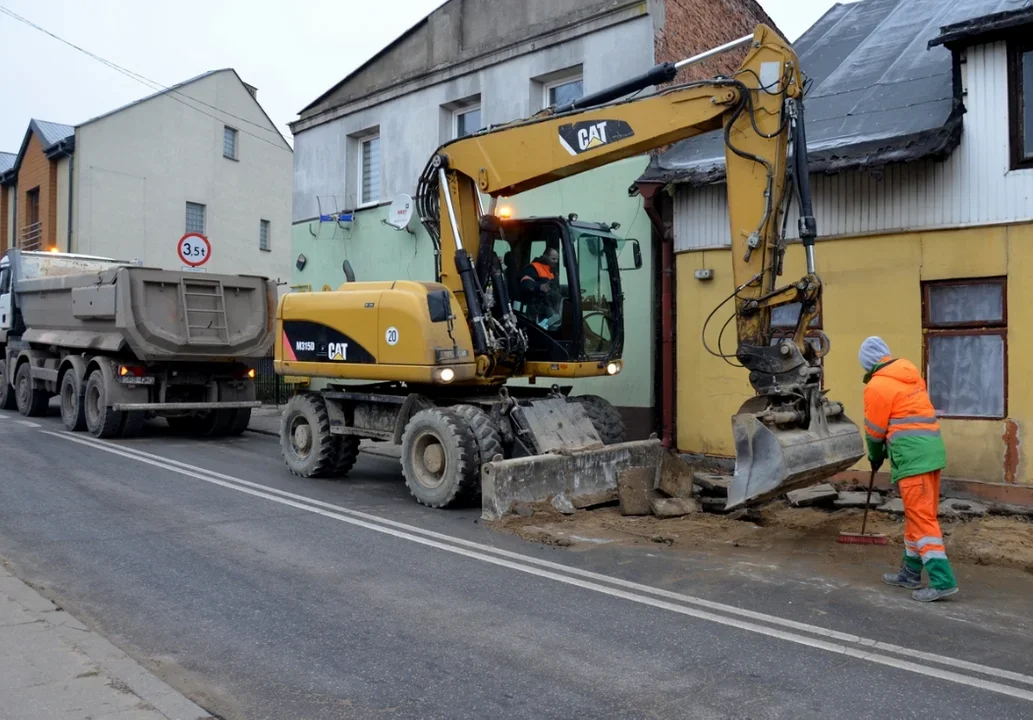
(152, 84)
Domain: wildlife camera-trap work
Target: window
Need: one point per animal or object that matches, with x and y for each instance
(195, 218)
(564, 91)
(263, 236)
(32, 201)
(229, 143)
(966, 325)
(369, 170)
(466, 120)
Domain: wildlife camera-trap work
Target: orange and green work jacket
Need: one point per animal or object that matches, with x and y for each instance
(899, 420)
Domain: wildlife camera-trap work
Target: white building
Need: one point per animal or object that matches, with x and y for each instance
(201, 156)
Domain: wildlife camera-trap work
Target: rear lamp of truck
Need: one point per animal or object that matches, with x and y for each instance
(245, 374)
(131, 371)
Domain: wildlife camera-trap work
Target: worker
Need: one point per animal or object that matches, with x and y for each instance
(900, 423)
(538, 289)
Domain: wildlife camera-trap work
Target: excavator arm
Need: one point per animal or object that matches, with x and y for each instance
(788, 435)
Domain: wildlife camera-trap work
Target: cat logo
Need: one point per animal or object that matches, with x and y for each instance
(588, 135)
(337, 351)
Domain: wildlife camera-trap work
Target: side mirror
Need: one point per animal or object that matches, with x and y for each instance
(636, 255)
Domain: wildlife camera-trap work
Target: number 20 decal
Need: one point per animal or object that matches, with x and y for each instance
(391, 336)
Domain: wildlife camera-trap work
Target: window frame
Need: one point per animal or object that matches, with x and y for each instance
(967, 328)
(204, 217)
(236, 143)
(267, 227)
(548, 87)
(362, 201)
(1016, 112)
(463, 110)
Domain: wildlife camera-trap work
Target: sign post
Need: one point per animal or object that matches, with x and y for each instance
(194, 249)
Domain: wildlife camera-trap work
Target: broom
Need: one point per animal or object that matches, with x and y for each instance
(863, 538)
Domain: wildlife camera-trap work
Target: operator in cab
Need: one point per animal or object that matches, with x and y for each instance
(539, 289)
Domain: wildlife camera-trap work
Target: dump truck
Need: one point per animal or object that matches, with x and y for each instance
(438, 355)
(120, 343)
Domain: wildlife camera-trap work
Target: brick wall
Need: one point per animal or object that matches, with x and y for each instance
(37, 171)
(693, 26)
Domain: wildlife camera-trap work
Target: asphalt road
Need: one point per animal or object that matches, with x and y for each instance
(260, 595)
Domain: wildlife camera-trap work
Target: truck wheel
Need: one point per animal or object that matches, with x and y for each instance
(32, 402)
(347, 454)
(604, 416)
(489, 441)
(7, 399)
(439, 457)
(308, 447)
(132, 423)
(214, 423)
(241, 419)
(73, 407)
(101, 420)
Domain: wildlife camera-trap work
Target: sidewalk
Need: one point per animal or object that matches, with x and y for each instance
(54, 667)
(266, 421)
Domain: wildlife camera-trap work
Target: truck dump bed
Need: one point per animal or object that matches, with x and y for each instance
(157, 315)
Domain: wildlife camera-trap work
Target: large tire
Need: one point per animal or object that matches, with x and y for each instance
(439, 458)
(132, 423)
(214, 423)
(305, 440)
(73, 405)
(241, 419)
(32, 402)
(604, 416)
(101, 420)
(7, 399)
(347, 455)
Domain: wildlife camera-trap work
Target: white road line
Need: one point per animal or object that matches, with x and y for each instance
(27, 423)
(526, 565)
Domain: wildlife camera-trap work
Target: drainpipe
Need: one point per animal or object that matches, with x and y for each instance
(655, 208)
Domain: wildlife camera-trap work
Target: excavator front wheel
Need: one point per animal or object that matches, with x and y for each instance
(440, 458)
(305, 440)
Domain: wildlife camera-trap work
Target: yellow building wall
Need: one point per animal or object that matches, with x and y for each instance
(872, 287)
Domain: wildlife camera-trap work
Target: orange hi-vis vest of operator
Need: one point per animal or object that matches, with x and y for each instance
(531, 287)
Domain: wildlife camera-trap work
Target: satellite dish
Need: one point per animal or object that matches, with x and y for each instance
(400, 212)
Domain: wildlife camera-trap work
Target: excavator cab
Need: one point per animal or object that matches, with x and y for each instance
(563, 278)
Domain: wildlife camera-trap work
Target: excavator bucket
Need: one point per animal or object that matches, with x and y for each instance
(567, 456)
(773, 458)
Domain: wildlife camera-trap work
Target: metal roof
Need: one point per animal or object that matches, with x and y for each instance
(879, 93)
(51, 133)
(7, 161)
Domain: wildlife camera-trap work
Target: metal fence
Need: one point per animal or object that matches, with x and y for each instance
(271, 388)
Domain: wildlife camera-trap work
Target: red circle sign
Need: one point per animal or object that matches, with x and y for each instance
(194, 249)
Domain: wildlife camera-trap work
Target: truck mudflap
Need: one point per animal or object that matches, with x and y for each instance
(582, 475)
(773, 457)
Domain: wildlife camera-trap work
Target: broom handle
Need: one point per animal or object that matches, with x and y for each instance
(867, 502)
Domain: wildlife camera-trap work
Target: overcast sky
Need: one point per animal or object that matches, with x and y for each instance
(291, 51)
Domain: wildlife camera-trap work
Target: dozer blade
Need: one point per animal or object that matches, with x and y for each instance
(771, 459)
(582, 474)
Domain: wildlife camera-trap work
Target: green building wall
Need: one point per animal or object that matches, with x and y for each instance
(377, 251)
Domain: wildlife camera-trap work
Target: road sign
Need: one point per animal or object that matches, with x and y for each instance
(194, 249)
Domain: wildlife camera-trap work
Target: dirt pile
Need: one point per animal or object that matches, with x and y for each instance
(990, 540)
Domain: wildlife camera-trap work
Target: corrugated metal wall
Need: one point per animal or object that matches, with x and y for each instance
(973, 187)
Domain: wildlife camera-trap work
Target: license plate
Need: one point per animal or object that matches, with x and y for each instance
(133, 380)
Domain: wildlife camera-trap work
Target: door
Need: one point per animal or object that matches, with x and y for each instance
(5, 297)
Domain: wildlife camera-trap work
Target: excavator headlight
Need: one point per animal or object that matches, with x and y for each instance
(613, 368)
(444, 375)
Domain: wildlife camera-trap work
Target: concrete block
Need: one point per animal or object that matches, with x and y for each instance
(712, 504)
(857, 499)
(589, 500)
(563, 505)
(962, 508)
(635, 489)
(675, 476)
(716, 485)
(821, 494)
(673, 507)
(893, 507)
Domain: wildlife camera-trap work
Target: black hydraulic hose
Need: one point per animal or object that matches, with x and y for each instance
(473, 301)
(808, 226)
(657, 75)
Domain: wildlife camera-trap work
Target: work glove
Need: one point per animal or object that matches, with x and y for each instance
(876, 464)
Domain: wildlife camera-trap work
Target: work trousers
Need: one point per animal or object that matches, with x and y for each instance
(923, 541)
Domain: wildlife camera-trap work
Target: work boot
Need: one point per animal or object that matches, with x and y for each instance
(904, 578)
(933, 594)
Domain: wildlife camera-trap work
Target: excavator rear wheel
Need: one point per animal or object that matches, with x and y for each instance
(485, 432)
(440, 457)
(305, 440)
(604, 416)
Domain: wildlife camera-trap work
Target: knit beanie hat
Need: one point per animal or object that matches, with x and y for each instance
(873, 349)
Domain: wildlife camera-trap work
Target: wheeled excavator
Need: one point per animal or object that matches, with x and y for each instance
(426, 365)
